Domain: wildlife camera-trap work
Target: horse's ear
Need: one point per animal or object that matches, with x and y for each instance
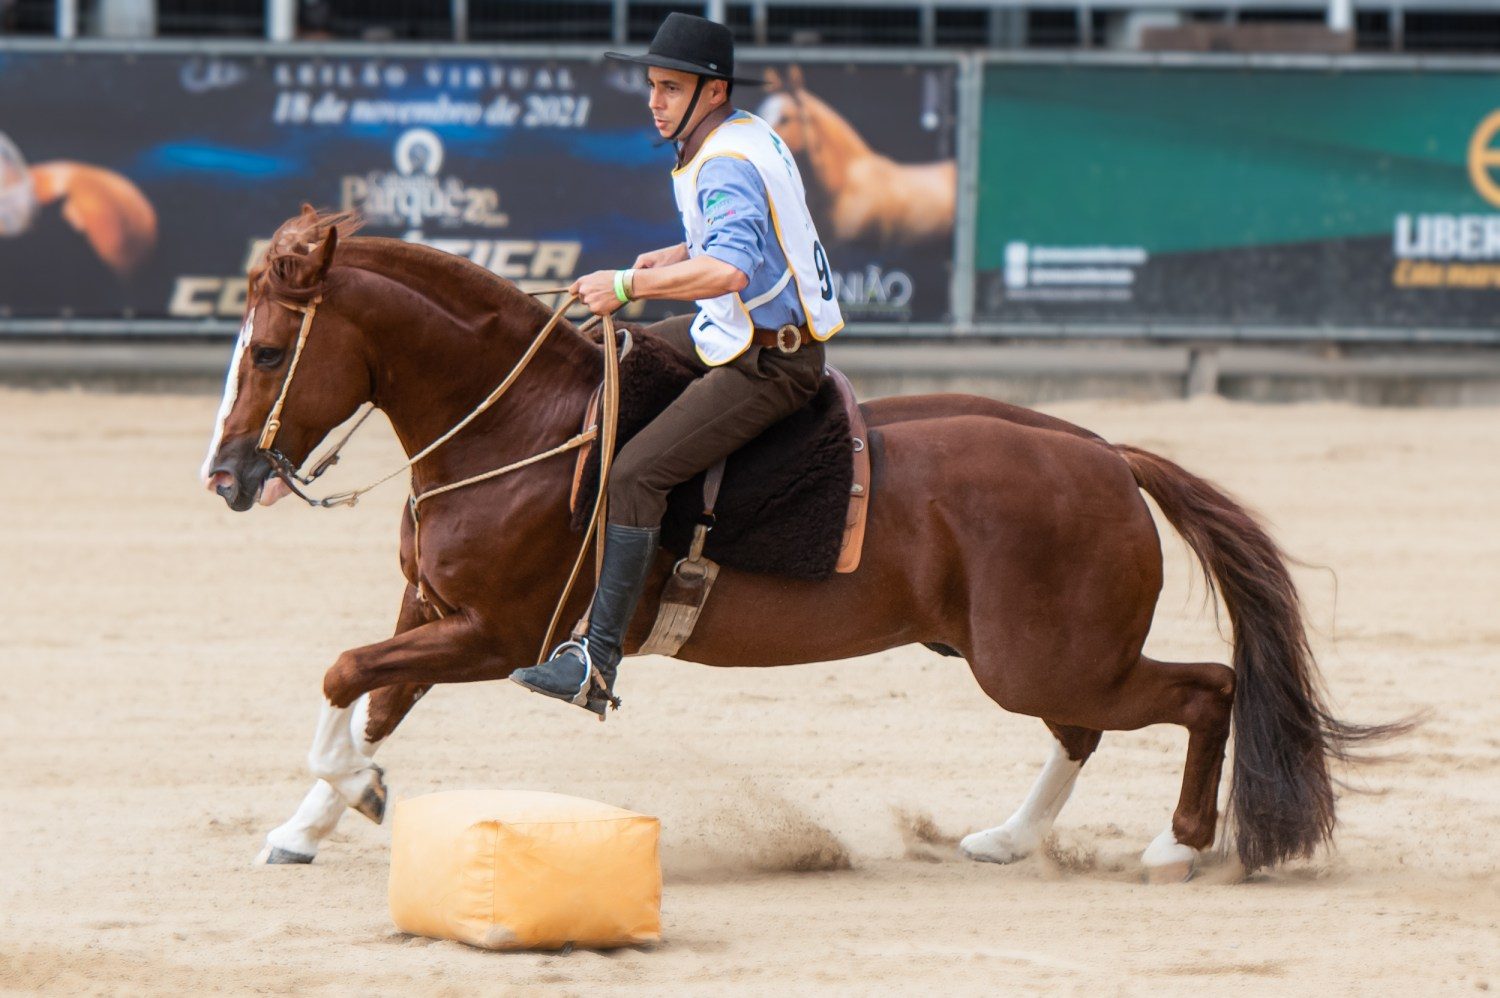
(307, 209)
(321, 256)
(773, 80)
(794, 76)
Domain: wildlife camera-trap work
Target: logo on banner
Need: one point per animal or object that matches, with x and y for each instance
(874, 292)
(200, 75)
(419, 151)
(1456, 251)
(1484, 158)
(1071, 273)
(416, 195)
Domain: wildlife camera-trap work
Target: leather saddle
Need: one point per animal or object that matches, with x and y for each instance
(793, 502)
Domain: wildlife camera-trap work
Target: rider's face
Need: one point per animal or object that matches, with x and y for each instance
(671, 90)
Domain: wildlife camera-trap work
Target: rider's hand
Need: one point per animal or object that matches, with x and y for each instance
(661, 257)
(597, 291)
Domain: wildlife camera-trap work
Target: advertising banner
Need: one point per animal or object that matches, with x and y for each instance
(1225, 196)
(142, 185)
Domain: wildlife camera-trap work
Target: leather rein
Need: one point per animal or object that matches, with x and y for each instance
(604, 430)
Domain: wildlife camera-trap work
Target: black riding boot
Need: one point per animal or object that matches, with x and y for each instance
(628, 555)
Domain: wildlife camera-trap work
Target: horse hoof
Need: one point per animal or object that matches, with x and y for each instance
(274, 856)
(1168, 861)
(371, 803)
(994, 845)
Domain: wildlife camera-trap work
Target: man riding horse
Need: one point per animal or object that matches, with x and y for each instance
(764, 291)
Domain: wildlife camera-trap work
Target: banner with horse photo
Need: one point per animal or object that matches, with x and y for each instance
(1258, 199)
(144, 184)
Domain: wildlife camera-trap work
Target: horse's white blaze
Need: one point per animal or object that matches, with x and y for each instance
(231, 390)
(1025, 830)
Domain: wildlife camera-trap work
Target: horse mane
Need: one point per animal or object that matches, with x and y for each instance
(280, 273)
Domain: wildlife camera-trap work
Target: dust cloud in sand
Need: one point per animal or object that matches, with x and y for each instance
(162, 658)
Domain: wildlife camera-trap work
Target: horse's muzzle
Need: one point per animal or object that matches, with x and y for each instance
(239, 493)
(241, 478)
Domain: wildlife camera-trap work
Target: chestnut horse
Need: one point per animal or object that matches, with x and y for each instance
(1012, 539)
(870, 196)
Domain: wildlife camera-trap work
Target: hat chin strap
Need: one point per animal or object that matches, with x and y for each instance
(687, 115)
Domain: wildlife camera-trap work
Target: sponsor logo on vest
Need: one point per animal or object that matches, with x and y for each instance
(717, 207)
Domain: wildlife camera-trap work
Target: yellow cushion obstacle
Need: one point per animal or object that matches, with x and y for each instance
(520, 869)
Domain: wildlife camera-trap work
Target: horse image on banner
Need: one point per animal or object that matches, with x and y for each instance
(865, 195)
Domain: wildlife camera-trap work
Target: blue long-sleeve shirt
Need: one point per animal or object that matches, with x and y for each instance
(738, 216)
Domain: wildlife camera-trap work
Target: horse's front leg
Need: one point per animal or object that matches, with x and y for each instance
(454, 649)
(348, 755)
(297, 840)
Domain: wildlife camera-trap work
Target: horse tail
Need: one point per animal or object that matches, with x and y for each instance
(1281, 795)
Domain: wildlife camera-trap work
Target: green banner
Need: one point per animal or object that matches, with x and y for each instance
(1238, 196)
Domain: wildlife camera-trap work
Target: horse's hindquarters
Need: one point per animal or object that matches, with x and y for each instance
(1025, 549)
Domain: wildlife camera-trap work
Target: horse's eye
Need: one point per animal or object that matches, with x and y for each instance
(268, 356)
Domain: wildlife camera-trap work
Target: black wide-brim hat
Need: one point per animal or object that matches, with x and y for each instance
(691, 45)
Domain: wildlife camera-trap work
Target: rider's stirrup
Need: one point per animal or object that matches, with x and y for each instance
(589, 672)
(593, 692)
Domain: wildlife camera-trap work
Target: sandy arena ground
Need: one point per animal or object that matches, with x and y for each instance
(161, 660)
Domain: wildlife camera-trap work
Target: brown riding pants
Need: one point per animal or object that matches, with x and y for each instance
(726, 407)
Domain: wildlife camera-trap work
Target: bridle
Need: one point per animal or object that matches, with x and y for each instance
(604, 430)
(287, 470)
(283, 466)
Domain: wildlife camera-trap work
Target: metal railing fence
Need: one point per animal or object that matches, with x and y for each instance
(1393, 25)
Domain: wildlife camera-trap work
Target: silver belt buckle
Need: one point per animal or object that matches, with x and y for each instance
(795, 335)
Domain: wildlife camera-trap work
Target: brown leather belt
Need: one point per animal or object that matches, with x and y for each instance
(787, 339)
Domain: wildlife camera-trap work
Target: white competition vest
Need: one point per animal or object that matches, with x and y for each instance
(723, 327)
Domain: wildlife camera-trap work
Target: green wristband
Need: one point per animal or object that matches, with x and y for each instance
(620, 287)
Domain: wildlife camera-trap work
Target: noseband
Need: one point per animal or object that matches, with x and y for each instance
(284, 467)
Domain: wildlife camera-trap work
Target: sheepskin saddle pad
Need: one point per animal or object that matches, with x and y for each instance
(785, 495)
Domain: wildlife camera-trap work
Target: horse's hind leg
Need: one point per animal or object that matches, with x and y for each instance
(1204, 696)
(1199, 696)
(342, 757)
(1025, 830)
